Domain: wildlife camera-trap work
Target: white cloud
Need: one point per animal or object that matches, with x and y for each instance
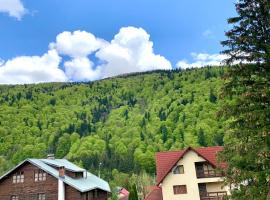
(77, 44)
(81, 69)
(201, 60)
(32, 69)
(130, 51)
(14, 8)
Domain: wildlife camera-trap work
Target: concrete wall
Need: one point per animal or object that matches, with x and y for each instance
(189, 179)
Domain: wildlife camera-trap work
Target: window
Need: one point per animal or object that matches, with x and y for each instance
(180, 189)
(18, 177)
(178, 169)
(41, 196)
(14, 197)
(40, 175)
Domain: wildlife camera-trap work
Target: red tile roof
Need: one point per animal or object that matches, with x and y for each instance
(154, 194)
(165, 161)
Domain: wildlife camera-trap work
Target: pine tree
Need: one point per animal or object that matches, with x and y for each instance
(249, 38)
(164, 133)
(247, 140)
(201, 138)
(212, 96)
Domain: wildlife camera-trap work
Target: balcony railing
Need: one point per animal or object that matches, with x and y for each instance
(209, 173)
(214, 195)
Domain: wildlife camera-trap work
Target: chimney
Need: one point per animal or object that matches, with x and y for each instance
(50, 156)
(62, 172)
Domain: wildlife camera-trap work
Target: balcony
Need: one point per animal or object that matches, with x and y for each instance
(213, 195)
(208, 173)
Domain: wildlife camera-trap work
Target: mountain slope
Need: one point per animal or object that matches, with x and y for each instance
(120, 122)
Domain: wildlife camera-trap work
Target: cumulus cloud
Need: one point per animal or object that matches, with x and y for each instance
(68, 58)
(81, 69)
(130, 51)
(201, 60)
(14, 8)
(77, 44)
(32, 69)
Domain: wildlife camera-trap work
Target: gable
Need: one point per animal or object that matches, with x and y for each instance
(186, 161)
(165, 161)
(16, 169)
(190, 157)
(91, 181)
(27, 187)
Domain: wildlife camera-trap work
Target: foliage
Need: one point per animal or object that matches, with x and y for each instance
(249, 38)
(133, 193)
(120, 122)
(247, 140)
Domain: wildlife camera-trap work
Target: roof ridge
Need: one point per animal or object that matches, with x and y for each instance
(171, 151)
(96, 182)
(203, 154)
(187, 148)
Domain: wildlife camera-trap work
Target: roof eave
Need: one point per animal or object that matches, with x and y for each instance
(57, 177)
(182, 155)
(11, 170)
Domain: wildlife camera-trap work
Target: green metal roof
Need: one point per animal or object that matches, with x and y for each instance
(87, 183)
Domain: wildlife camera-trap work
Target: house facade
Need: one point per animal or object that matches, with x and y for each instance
(51, 179)
(189, 174)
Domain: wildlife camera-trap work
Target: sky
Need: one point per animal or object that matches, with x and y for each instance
(85, 40)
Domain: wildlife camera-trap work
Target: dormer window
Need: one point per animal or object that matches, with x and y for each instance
(18, 177)
(179, 169)
(40, 175)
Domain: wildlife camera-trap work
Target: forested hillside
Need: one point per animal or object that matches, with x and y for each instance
(120, 122)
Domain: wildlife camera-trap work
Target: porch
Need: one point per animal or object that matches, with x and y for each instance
(211, 191)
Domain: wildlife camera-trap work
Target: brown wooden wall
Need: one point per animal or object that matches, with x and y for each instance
(95, 195)
(72, 194)
(29, 189)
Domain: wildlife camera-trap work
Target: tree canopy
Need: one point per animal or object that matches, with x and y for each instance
(249, 38)
(247, 137)
(120, 122)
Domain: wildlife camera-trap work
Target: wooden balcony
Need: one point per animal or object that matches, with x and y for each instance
(210, 173)
(213, 195)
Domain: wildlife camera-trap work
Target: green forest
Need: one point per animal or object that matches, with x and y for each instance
(116, 124)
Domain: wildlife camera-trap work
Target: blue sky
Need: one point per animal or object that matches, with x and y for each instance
(188, 31)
